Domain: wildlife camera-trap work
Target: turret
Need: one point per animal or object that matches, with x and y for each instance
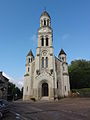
(30, 57)
(29, 60)
(66, 85)
(62, 56)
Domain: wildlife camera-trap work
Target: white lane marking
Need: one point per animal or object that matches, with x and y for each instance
(18, 115)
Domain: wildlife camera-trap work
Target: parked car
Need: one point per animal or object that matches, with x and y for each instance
(1, 115)
(1, 112)
(4, 107)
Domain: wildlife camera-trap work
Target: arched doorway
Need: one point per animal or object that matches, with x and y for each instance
(44, 89)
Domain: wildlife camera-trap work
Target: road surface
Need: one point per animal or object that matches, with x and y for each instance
(64, 109)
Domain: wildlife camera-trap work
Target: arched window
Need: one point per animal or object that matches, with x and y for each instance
(65, 88)
(46, 62)
(48, 22)
(62, 58)
(46, 41)
(42, 41)
(63, 68)
(27, 88)
(57, 84)
(42, 62)
(41, 23)
(29, 60)
(28, 69)
(45, 22)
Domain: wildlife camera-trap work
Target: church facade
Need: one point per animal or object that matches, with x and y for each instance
(46, 76)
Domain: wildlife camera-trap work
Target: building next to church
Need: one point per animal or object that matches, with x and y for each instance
(46, 76)
(3, 86)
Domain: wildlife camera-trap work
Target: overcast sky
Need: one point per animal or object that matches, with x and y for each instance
(19, 22)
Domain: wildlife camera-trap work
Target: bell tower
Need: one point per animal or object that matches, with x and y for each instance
(44, 54)
(45, 33)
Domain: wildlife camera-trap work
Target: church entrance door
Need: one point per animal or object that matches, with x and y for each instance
(44, 89)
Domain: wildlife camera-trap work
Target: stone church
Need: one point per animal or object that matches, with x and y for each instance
(46, 76)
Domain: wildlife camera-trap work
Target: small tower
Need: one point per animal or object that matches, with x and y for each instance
(29, 60)
(66, 84)
(62, 56)
(30, 57)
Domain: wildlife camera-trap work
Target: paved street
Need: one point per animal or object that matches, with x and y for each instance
(64, 109)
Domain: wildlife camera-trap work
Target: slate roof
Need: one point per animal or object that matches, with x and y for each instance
(30, 53)
(62, 52)
(45, 13)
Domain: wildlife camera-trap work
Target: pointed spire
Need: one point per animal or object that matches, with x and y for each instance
(62, 52)
(45, 13)
(30, 53)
